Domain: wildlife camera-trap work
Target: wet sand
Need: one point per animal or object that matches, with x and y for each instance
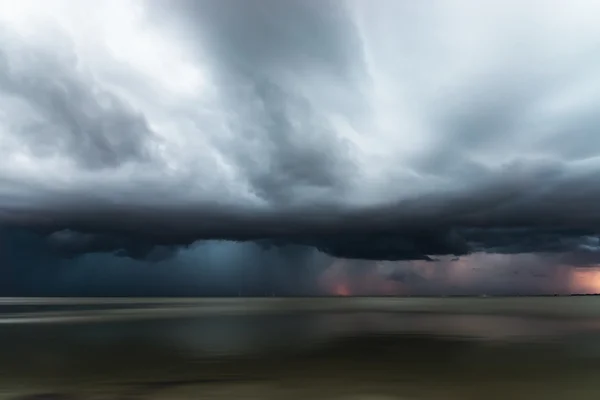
(533, 348)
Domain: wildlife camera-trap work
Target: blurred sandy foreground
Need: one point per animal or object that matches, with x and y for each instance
(373, 348)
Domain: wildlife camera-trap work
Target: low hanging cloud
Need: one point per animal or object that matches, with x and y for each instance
(382, 131)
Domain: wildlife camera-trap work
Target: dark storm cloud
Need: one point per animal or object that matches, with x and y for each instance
(213, 268)
(75, 118)
(254, 155)
(69, 243)
(261, 49)
(413, 244)
(291, 163)
(534, 213)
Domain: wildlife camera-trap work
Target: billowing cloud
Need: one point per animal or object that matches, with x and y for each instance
(386, 130)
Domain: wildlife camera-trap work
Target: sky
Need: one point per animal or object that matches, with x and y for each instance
(299, 147)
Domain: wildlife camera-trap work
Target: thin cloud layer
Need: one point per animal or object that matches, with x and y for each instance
(385, 130)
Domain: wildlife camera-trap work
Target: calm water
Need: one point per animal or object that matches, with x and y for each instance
(463, 349)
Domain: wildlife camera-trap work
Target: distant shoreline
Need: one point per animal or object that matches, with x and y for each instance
(37, 310)
(32, 299)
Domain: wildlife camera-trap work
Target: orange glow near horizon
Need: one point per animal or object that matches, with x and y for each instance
(585, 280)
(341, 289)
(465, 274)
(336, 281)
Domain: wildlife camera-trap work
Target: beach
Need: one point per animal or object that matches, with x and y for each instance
(321, 348)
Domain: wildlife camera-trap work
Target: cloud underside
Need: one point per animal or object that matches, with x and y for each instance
(504, 222)
(389, 132)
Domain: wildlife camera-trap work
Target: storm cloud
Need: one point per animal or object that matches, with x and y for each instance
(385, 130)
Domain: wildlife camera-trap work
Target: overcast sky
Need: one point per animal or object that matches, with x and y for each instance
(299, 146)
